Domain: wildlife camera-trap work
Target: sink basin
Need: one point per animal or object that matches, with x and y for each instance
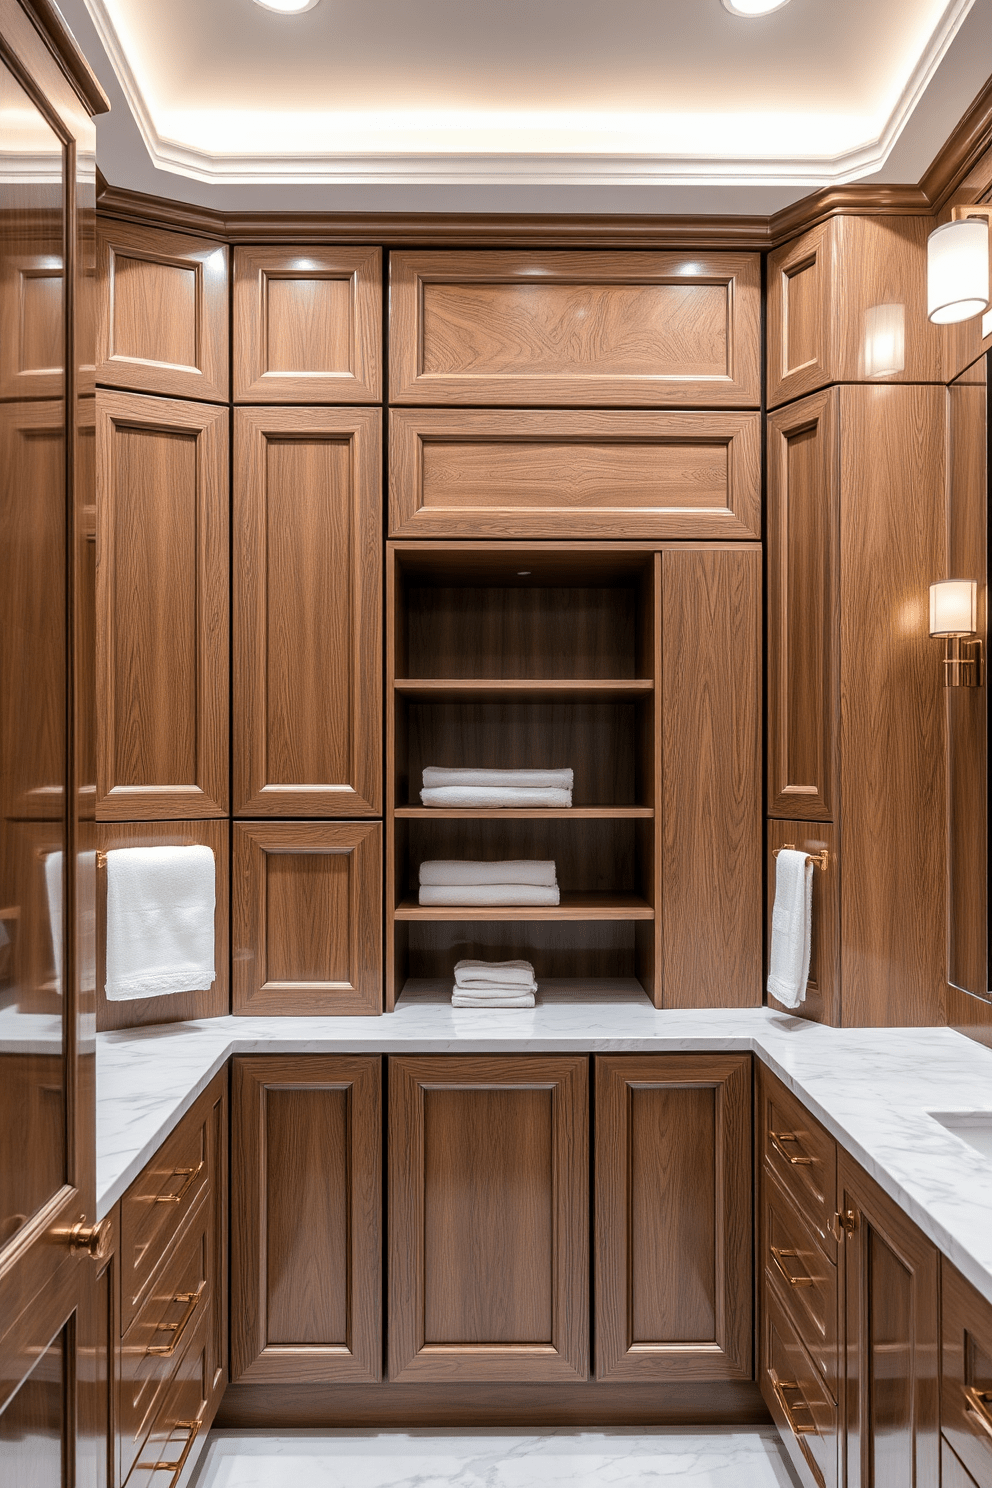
(973, 1127)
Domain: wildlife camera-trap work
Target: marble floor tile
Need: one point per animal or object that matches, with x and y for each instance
(717, 1458)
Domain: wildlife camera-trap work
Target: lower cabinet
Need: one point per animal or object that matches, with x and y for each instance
(966, 1382)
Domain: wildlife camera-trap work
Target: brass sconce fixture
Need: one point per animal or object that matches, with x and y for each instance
(954, 620)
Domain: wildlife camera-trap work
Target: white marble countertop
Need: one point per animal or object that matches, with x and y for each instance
(871, 1088)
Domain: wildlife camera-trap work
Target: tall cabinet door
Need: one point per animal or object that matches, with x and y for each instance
(307, 612)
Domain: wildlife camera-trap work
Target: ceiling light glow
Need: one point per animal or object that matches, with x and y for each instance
(751, 8)
(287, 7)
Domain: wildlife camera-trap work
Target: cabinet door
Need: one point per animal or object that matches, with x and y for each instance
(673, 1217)
(488, 1218)
(306, 1219)
(803, 609)
(307, 612)
(966, 1372)
(307, 325)
(162, 607)
(890, 1292)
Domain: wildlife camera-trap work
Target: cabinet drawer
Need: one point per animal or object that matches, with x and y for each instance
(966, 1375)
(179, 1298)
(802, 1409)
(802, 1156)
(182, 1421)
(806, 1278)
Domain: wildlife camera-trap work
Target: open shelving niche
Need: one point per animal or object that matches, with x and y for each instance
(514, 656)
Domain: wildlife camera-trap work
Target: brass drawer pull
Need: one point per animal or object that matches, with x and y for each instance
(191, 1175)
(779, 1257)
(192, 1300)
(779, 1138)
(780, 1387)
(176, 1468)
(979, 1408)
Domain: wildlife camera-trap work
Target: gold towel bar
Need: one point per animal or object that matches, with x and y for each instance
(820, 859)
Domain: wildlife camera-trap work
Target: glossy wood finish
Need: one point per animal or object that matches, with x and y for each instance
(307, 325)
(966, 1365)
(306, 1272)
(488, 1177)
(214, 1002)
(530, 474)
(162, 603)
(306, 928)
(792, 1261)
(182, 1422)
(801, 1155)
(803, 608)
(32, 312)
(163, 325)
(808, 1419)
(673, 1217)
(570, 328)
(823, 987)
(952, 1471)
(307, 622)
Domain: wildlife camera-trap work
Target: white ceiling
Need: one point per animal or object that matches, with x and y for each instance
(657, 105)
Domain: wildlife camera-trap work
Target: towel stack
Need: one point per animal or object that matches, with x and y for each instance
(528, 788)
(528, 882)
(501, 984)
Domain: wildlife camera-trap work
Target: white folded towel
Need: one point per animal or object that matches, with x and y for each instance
(53, 891)
(489, 894)
(466, 1000)
(475, 975)
(792, 921)
(160, 921)
(522, 872)
(494, 993)
(492, 796)
(441, 775)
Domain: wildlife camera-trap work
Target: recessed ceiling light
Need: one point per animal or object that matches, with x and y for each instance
(749, 8)
(287, 7)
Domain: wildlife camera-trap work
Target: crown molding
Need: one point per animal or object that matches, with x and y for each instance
(51, 26)
(961, 152)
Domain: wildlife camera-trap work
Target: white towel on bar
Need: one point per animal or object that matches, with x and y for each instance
(160, 921)
(53, 890)
(528, 871)
(493, 796)
(440, 775)
(466, 1000)
(477, 975)
(489, 894)
(792, 923)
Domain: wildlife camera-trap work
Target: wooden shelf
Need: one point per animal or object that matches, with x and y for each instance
(524, 689)
(522, 813)
(572, 907)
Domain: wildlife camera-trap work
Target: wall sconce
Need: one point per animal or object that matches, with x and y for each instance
(958, 266)
(954, 618)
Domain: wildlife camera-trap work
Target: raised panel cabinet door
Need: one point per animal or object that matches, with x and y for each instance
(890, 1280)
(650, 329)
(307, 917)
(32, 314)
(673, 1217)
(530, 473)
(307, 621)
(307, 325)
(163, 312)
(488, 1218)
(162, 609)
(803, 608)
(306, 1219)
(800, 298)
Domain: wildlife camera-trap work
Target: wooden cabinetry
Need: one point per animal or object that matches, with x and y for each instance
(965, 1382)
(306, 1220)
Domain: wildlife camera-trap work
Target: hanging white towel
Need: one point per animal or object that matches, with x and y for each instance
(528, 871)
(466, 1000)
(160, 921)
(792, 922)
(440, 775)
(53, 890)
(492, 796)
(481, 974)
(489, 894)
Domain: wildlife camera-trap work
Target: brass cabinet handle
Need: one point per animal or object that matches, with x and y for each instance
(176, 1468)
(979, 1408)
(191, 1175)
(780, 1387)
(779, 1257)
(779, 1138)
(94, 1239)
(192, 1300)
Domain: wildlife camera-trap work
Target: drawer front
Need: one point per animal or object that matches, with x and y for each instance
(966, 1374)
(802, 1156)
(806, 1278)
(952, 1473)
(802, 1409)
(179, 1298)
(182, 1421)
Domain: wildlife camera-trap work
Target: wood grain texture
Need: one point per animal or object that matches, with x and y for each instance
(804, 1277)
(952, 1473)
(489, 1218)
(709, 757)
(673, 1217)
(307, 612)
(306, 1219)
(573, 328)
(162, 607)
(966, 1363)
(823, 1003)
(214, 1002)
(527, 473)
(307, 326)
(163, 317)
(799, 284)
(811, 1185)
(306, 918)
(783, 1361)
(33, 308)
(577, 905)
(803, 538)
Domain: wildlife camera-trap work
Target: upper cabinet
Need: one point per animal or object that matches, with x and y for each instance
(587, 329)
(163, 325)
(307, 325)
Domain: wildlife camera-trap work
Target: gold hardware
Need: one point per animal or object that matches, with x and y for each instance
(101, 858)
(94, 1239)
(176, 1468)
(192, 1300)
(818, 859)
(780, 1387)
(962, 663)
(979, 1408)
(845, 1223)
(779, 1257)
(778, 1138)
(190, 1174)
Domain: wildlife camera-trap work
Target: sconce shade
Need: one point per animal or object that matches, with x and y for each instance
(958, 271)
(954, 608)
